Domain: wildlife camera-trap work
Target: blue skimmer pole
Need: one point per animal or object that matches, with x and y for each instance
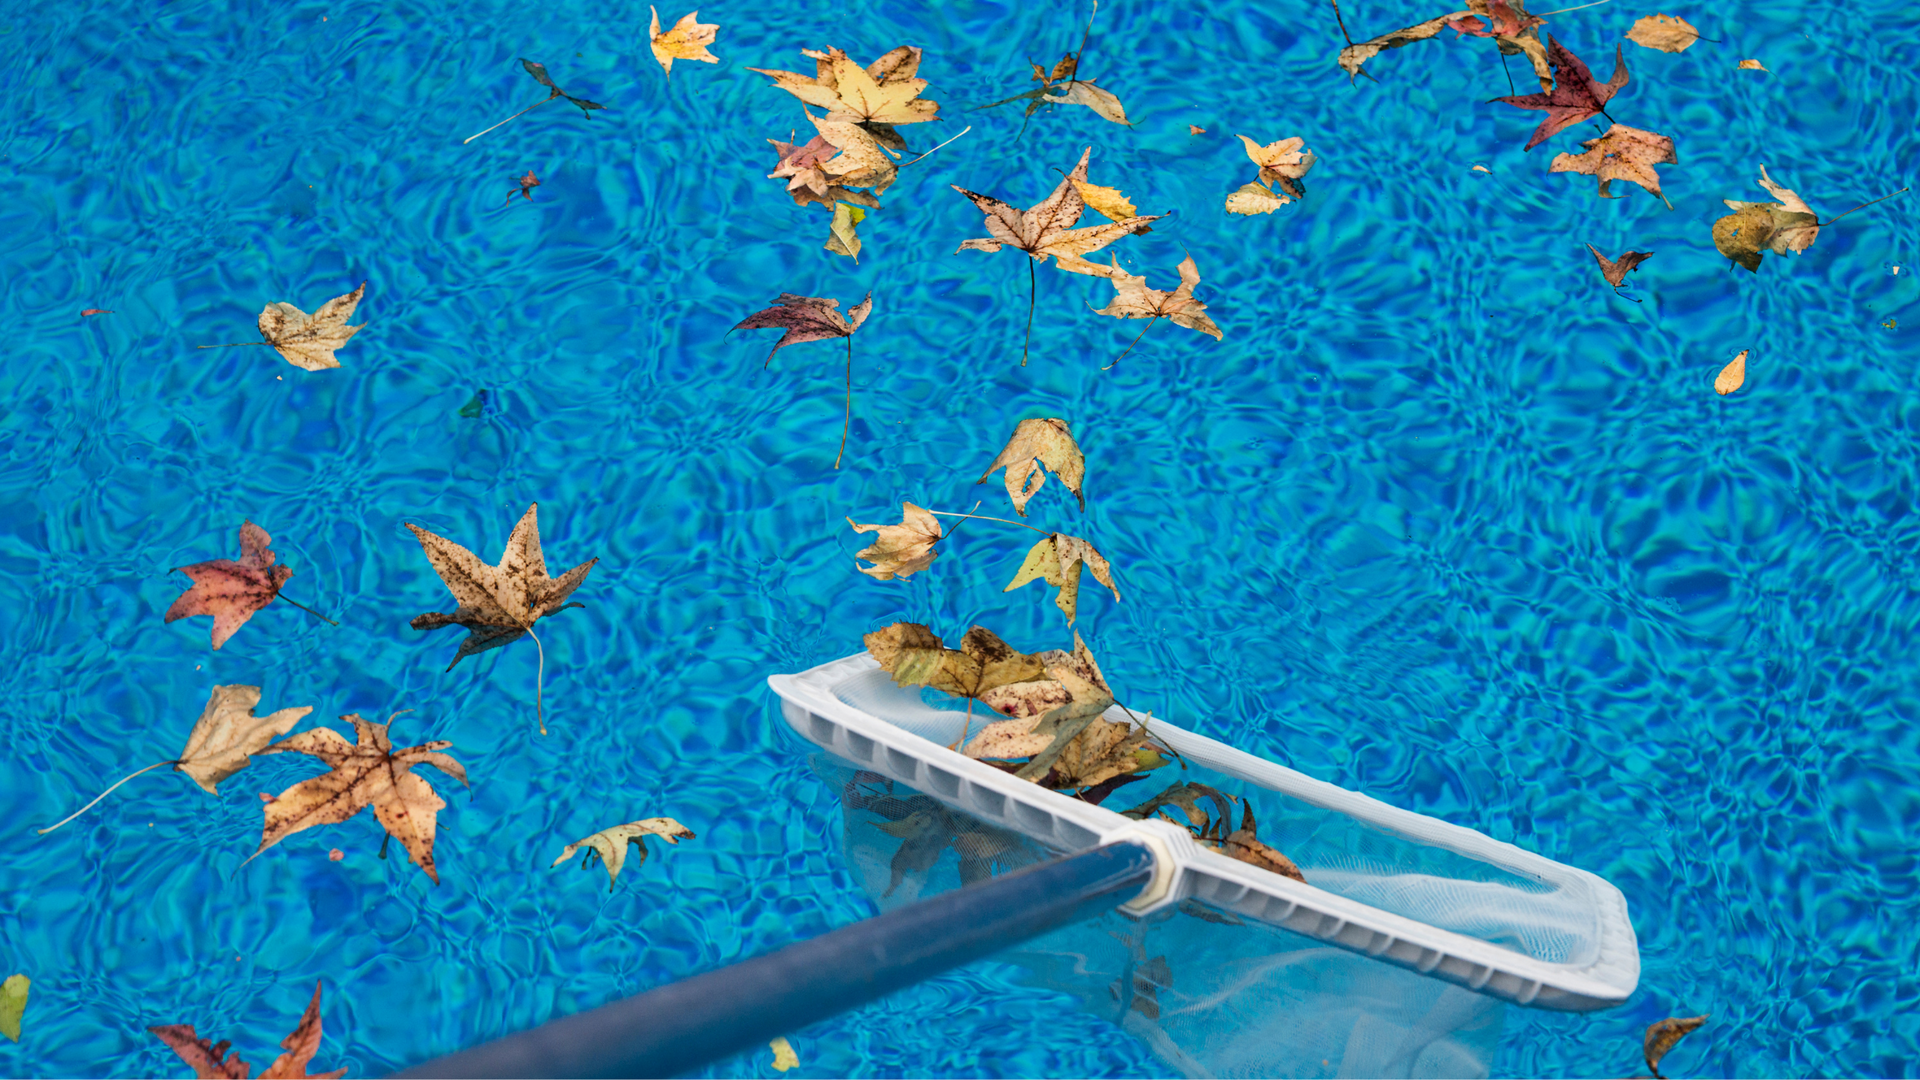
(681, 1026)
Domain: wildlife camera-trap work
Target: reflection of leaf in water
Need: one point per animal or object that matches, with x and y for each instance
(1206, 914)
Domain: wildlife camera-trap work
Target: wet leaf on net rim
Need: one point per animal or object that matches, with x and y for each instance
(1754, 228)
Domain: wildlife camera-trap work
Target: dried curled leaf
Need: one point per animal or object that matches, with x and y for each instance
(1134, 300)
(901, 549)
(1623, 153)
(1663, 1034)
(611, 844)
(1252, 199)
(232, 590)
(1108, 202)
(1667, 33)
(1282, 163)
(1058, 558)
(370, 772)
(688, 40)
(1616, 272)
(209, 1059)
(1752, 65)
(1244, 845)
(1733, 376)
(1507, 22)
(1036, 443)
(1753, 228)
(307, 341)
(228, 732)
(1078, 92)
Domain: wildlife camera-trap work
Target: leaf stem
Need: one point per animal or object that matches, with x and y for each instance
(306, 609)
(917, 157)
(1032, 294)
(847, 424)
(1863, 206)
(539, 685)
(102, 795)
(522, 112)
(1082, 53)
(1342, 22)
(1130, 345)
(235, 345)
(1577, 7)
(985, 517)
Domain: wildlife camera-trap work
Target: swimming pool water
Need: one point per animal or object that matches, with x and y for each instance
(1441, 519)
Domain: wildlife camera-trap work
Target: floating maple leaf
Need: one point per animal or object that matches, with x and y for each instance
(1623, 153)
(1046, 230)
(232, 590)
(878, 97)
(1667, 33)
(688, 40)
(1576, 94)
(610, 844)
(1513, 30)
(900, 549)
(1044, 442)
(813, 318)
(1133, 300)
(1663, 1034)
(1057, 558)
(368, 772)
(539, 73)
(1780, 227)
(306, 341)
(499, 603)
(219, 745)
(1616, 272)
(1282, 164)
(210, 1059)
(1063, 86)
(802, 166)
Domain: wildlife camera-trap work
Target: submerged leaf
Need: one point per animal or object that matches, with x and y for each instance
(611, 843)
(915, 656)
(1036, 447)
(13, 1005)
(209, 1059)
(1663, 1034)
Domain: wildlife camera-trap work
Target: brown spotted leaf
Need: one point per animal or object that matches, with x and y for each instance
(498, 604)
(231, 590)
(903, 549)
(1134, 300)
(1046, 229)
(1057, 558)
(1663, 1034)
(806, 318)
(915, 656)
(1754, 228)
(368, 772)
(1576, 94)
(1037, 447)
(1623, 153)
(307, 341)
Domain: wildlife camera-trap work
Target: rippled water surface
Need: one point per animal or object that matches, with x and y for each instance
(1442, 519)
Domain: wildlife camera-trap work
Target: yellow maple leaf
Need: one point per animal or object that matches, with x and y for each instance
(688, 40)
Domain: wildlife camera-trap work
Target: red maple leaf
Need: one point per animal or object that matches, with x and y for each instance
(232, 590)
(1576, 96)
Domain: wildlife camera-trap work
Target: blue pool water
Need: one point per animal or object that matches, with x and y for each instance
(1441, 519)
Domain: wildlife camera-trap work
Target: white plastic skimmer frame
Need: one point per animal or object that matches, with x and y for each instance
(1600, 973)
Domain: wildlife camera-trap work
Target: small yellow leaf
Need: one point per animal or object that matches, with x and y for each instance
(688, 40)
(783, 1056)
(1891, 324)
(1481, 168)
(1732, 376)
(13, 1003)
(842, 239)
(1752, 65)
(1196, 129)
(1108, 201)
(1254, 199)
